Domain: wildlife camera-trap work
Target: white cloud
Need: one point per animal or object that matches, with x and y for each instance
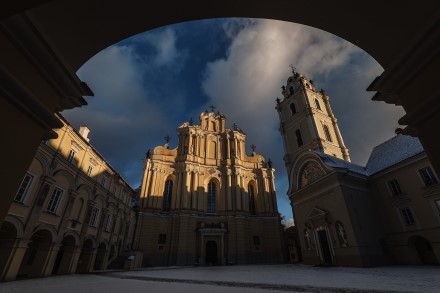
(288, 223)
(245, 84)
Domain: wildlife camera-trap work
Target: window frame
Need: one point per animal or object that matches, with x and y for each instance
(317, 104)
(107, 223)
(293, 109)
(327, 132)
(394, 187)
(211, 198)
(430, 174)
(94, 217)
(299, 139)
(407, 216)
(167, 194)
(251, 199)
(54, 200)
(26, 189)
(162, 239)
(71, 156)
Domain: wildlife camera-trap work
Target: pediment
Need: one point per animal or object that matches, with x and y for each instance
(316, 213)
(400, 201)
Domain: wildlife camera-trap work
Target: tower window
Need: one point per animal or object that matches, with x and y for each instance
(299, 140)
(407, 216)
(293, 108)
(428, 176)
(327, 133)
(291, 90)
(211, 197)
(318, 106)
(162, 239)
(251, 195)
(167, 195)
(394, 187)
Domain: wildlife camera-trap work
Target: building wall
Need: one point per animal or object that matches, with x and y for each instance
(208, 157)
(51, 227)
(420, 200)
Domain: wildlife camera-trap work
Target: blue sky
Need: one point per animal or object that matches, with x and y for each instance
(149, 84)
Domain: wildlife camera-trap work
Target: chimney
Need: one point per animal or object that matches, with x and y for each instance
(398, 131)
(84, 131)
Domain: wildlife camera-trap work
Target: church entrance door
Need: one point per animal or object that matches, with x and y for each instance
(325, 248)
(211, 252)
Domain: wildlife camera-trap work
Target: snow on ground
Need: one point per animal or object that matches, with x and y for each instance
(241, 279)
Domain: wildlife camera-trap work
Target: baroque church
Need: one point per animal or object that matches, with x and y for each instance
(208, 202)
(387, 212)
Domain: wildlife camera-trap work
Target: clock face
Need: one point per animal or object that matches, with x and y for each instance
(310, 173)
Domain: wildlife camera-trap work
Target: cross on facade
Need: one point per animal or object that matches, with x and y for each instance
(167, 138)
(234, 126)
(253, 147)
(212, 108)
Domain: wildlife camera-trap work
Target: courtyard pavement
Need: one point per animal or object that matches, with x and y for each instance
(240, 279)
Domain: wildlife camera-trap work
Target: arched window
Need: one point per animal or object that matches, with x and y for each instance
(327, 133)
(167, 191)
(293, 108)
(251, 196)
(291, 90)
(211, 197)
(318, 106)
(299, 140)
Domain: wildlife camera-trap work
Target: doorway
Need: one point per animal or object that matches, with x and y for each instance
(211, 252)
(325, 247)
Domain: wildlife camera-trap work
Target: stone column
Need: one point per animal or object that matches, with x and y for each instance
(10, 271)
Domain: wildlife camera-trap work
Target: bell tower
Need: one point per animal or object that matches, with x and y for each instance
(307, 121)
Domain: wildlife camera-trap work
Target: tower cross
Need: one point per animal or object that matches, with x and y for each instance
(212, 108)
(253, 147)
(293, 68)
(167, 138)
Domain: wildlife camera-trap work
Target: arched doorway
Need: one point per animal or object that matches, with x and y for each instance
(85, 257)
(100, 262)
(211, 252)
(8, 240)
(424, 250)
(63, 262)
(35, 260)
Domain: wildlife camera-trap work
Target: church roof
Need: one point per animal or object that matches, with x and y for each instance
(393, 151)
(335, 162)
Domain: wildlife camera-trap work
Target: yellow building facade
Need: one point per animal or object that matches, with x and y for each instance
(207, 201)
(72, 212)
(386, 212)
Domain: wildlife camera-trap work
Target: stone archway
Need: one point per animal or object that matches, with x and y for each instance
(424, 250)
(8, 241)
(86, 257)
(100, 260)
(65, 257)
(36, 259)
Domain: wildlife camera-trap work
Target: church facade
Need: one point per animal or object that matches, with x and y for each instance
(386, 212)
(207, 201)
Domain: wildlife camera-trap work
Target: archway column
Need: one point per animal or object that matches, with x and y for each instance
(10, 271)
(52, 251)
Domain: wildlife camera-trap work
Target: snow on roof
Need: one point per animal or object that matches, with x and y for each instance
(393, 151)
(335, 162)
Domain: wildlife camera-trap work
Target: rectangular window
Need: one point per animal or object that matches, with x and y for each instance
(256, 240)
(89, 170)
(394, 187)
(24, 187)
(428, 176)
(162, 239)
(54, 200)
(94, 217)
(71, 156)
(407, 216)
(107, 223)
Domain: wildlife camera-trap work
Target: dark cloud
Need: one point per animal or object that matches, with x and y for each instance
(148, 85)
